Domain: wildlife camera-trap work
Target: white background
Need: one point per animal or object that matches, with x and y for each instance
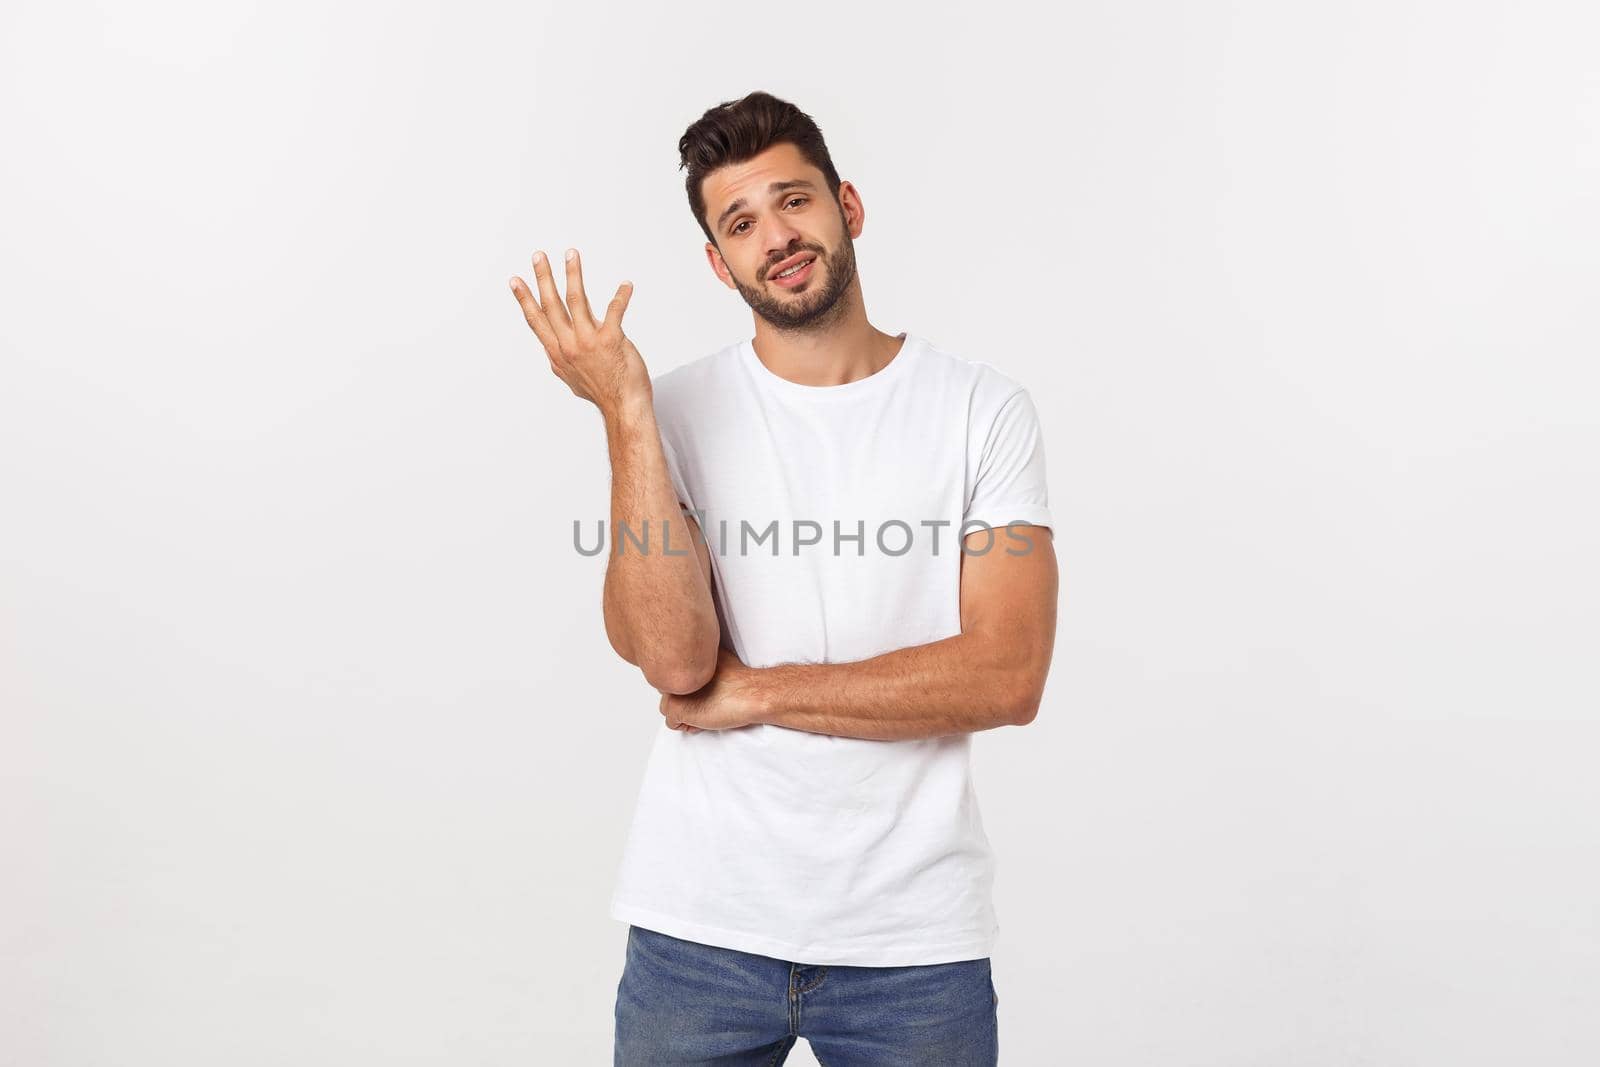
(313, 748)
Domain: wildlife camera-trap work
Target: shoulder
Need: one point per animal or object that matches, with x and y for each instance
(987, 388)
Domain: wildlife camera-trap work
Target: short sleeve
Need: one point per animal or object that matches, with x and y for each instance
(1010, 485)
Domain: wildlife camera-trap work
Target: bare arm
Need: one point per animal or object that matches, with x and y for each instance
(991, 674)
(658, 609)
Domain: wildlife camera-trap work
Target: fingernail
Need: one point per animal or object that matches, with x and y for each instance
(538, 257)
(572, 253)
(513, 283)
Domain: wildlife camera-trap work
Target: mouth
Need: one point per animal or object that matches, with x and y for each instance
(798, 270)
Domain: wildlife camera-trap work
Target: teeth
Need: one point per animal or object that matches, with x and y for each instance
(791, 270)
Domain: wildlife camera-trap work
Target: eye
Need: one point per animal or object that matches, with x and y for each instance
(737, 227)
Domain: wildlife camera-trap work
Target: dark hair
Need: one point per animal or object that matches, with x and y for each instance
(737, 130)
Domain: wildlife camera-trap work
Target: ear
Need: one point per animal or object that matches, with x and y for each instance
(718, 267)
(855, 212)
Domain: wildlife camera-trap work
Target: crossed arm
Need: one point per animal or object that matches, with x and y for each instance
(660, 614)
(991, 674)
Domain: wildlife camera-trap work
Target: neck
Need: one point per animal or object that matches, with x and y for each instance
(845, 349)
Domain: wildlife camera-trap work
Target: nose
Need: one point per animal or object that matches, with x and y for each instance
(783, 240)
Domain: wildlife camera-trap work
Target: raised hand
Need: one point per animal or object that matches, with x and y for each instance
(595, 360)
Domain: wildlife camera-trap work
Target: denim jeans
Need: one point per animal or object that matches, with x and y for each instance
(681, 1002)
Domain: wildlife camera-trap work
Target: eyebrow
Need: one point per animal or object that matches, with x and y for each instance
(772, 190)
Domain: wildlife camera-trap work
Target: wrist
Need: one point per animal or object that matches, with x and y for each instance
(757, 698)
(630, 410)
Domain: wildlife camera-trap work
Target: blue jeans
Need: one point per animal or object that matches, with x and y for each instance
(681, 1002)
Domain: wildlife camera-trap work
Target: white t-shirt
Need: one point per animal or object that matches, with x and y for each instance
(810, 847)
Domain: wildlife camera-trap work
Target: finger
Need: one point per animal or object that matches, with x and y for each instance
(555, 312)
(618, 305)
(577, 299)
(536, 320)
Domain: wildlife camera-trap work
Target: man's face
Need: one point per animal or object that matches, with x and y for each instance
(771, 212)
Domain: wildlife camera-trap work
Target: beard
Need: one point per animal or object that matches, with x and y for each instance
(814, 305)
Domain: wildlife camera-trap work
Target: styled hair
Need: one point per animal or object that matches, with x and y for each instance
(737, 130)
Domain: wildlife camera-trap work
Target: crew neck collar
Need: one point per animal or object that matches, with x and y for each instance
(872, 383)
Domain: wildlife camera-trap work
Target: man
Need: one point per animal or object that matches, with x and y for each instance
(807, 858)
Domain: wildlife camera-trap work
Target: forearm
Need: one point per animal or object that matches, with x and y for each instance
(960, 684)
(657, 604)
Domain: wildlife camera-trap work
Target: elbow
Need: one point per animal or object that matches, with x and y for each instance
(683, 674)
(1026, 676)
(677, 680)
(623, 650)
(1022, 707)
(1016, 668)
